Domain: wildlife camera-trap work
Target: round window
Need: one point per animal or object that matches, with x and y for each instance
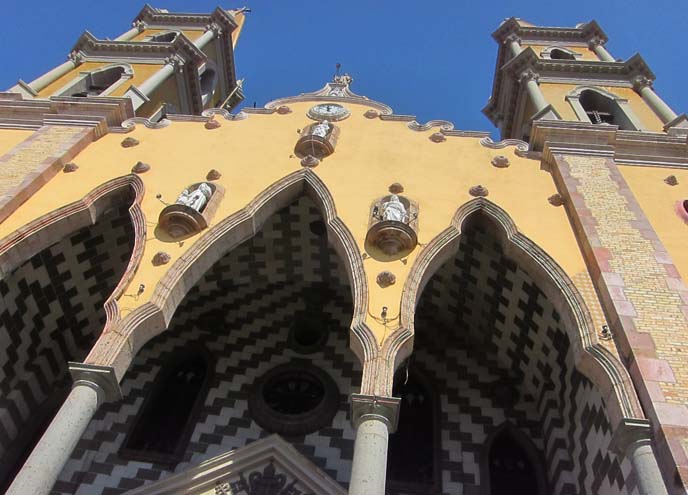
(294, 399)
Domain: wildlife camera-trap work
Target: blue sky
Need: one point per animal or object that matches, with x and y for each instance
(433, 59)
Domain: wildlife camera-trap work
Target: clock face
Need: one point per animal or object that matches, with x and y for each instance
(328, 111)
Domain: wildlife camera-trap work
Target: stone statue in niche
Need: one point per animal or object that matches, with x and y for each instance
(394, 210)
(197, 198)
(321, 129)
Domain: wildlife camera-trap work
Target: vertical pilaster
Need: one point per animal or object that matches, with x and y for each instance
(641, 292)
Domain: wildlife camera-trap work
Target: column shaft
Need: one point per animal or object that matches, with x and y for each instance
(536, 95)
(129, 34)
(42, 468)
(369, 469)
(50, 77)
(647, 471)
(515, 47)
(154, 81)
(658, 105)
(204, 39)
(603, 54)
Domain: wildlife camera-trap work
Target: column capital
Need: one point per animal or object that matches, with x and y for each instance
(528, 75)
(594, 42)
(76, 56)
(641, 82)
(384, 409)
(215, 28)
(512, 38)
(175, 61)
(140, 25)
(630, 431)
(100, 378)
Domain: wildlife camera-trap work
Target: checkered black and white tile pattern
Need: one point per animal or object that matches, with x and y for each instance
(483, 320)
(241, 311)
(51, 312)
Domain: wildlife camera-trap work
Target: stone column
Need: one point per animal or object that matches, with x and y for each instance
(42, 82)
(93, 385)
(530, 79)
(374, 419)
(643, 86)
(514, 44)
(632, 439)
(140, 95)
(138, 26)
(211, 32)
(595, 44)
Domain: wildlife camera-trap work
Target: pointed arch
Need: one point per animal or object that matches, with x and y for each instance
(594, 361)
(118, 347)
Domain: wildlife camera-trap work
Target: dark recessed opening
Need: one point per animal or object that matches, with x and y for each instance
(318, 227)
(293, 392)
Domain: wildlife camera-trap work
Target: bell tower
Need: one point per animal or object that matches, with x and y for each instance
(567, 74)
(166, 63)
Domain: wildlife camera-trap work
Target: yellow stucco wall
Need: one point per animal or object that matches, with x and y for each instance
(166, 93)
(586, 53)
(371, 154)
(141, 73)
(660, 201)
(556, 95)
(9, 138)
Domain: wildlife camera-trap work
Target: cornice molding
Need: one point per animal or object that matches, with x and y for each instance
(99, 112)
(582, 33)
(639, 148)
(153, 17)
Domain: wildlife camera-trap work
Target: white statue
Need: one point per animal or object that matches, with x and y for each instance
(321, 129)
(197, 198)
(394, 210)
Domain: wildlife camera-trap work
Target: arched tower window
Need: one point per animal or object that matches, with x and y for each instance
(559, 54)
(597, 106)
(97, 82)
(511, 465)
(166, 419)
(413, 453)
(208, 82)
(164, 37)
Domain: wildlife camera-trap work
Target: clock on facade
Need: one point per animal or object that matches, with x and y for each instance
(328, 111)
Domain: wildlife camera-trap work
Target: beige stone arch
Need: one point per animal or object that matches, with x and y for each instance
(39, 234)
(118, 347)
(592, 359)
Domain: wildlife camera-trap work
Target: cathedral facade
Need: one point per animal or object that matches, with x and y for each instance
(324, 297)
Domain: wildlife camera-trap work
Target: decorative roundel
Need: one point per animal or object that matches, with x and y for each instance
(331, 112)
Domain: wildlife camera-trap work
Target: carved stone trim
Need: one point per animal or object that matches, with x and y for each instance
(161, 258)
(129, 142)
(671, 180)
(181, 221)
(500, 161)
(371, 114)
(591, 358)
(444, 125)
(213, 175)
(386, 279)
(389, 240)
(396, 188)
(283, 110)
(70, 167)
(140, 168)
(102, 379)
(437, 137)
(318, 146)
(212, 124)
(556, 200)
(478, 191)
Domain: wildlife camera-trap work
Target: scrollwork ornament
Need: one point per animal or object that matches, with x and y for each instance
(213, 175)
(212, 124)
(140, 168)
(267, 482)
(371, 114)
(161, 258)
(478, 191)
(385, 279)
(283, 110)
(396, 188)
